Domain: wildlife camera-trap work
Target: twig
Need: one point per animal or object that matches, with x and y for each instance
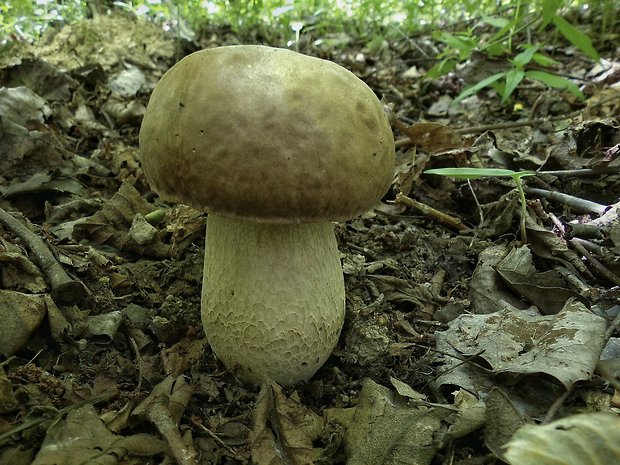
(601, 366)
(465, 359)
(557, 403)
(160, 416)
(438, 324)
(479, 207)
(490, 127)
(440, 216)
(602, 270)
(213, 435)
(65, 290)
(608, 375)
(586, 231)
(589, 246)
(581, 172)
(136, 351)
(612, 327)
(516, 124)
(585, 206)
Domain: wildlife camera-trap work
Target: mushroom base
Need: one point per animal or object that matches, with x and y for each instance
(272, 297)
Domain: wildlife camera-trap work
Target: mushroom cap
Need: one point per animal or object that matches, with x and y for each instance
(268, 135)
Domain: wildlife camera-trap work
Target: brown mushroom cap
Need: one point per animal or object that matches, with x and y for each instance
(268, 135)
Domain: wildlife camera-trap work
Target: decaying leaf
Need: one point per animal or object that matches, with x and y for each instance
(431, 137)
(584, 439)
(499, 216)
(487, 291)
(112, 224)
(8, 402)
(547, 290)
(516, 343)
(164, 408)
(472, 414)
(17, 272)
(383, 429)
(504, 417)
(20, 314)
(82, 438)
(549, 245)
(284, 429)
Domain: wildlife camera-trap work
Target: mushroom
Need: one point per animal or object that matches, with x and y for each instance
(275, 146)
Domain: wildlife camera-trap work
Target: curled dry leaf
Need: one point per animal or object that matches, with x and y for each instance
(431, 137)
(284, 429)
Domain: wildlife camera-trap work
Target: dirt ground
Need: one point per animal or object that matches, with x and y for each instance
(458, 329)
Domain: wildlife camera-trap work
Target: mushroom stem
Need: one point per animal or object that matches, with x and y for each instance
(272, 297)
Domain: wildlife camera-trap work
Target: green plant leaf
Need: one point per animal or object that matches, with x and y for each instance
(544, 60)
(557, 82)
(496, 49)
(525, 57)
(576, 37)
(501, 36)
(549, 7)
(463, 44)
(475, 173)
(441, 68)
(480, 85)
(495, 21)
(513, 78)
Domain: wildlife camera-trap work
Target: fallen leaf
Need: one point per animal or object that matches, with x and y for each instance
(584, 439)
(431, 137)
(513, 343)
(383, 429)
(83, 438)
(284, 430)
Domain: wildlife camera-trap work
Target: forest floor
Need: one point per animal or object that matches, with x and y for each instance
(458, 329)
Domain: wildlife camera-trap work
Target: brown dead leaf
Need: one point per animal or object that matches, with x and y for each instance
(386, 429)
(115, 225)
(21, 314)
(82, 438)
(431, 137)
(547, 290)
(283, 429)
(8, 401)
(164, 408)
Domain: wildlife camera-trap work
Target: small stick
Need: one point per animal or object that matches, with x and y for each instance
(136, 351)
(433, 213)
(577, 203)
(557, 403)
(65, 290)
(212, 434)
(581, 172)
(439, 324)
(598, 266)
(589, 246)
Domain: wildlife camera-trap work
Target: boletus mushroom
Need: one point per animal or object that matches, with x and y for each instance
(274, 145)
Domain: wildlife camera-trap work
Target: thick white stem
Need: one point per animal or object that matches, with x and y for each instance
(272, 297)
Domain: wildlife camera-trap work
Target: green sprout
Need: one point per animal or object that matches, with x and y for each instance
(475, 173)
